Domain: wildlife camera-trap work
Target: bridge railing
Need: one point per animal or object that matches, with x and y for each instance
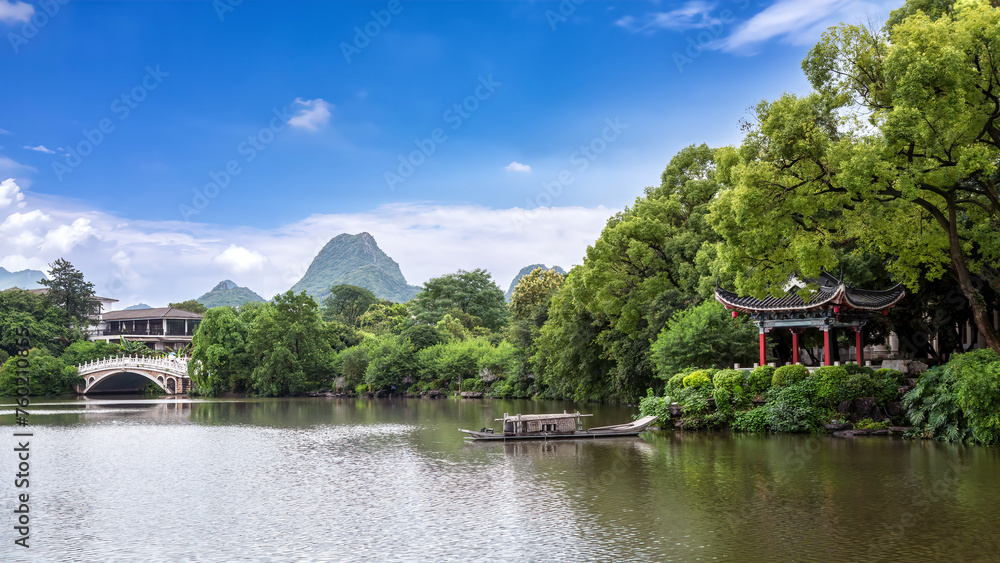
(177, 366)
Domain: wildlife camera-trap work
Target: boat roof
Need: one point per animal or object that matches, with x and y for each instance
(523, 417)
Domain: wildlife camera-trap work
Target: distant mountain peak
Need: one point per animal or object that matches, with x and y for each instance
(136, 307)
(356, 260)
(24, 279)
(225, 284)
(227, 293)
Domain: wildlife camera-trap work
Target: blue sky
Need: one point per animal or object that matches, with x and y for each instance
(460, 134)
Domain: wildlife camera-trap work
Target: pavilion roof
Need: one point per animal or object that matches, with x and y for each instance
(831, 291)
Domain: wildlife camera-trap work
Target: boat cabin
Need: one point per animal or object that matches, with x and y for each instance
(521, 424)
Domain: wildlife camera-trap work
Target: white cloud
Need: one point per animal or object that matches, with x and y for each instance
(239, 260)
(692, 15)
(158, 262)
(5, 132)
(10, 167)
(10, 194)
(40, 148)
(15, 11)
(312, 115)
(517, 167)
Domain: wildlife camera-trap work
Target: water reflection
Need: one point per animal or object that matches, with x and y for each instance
(393, 480)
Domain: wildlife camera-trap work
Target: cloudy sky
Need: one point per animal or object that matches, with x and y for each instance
(164, 146)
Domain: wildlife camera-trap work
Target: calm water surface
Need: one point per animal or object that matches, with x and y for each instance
(392, 480)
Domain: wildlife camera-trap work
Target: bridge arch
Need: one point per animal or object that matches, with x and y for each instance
(131, 373)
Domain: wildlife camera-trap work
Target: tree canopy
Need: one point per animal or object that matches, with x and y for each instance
(895, 151)
(70, 292)
(472, 297)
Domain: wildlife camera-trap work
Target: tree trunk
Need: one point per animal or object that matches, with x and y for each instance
(980, 313)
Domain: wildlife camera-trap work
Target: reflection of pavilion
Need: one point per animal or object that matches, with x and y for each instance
(832, 305)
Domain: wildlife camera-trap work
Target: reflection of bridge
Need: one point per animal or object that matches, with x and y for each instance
(130, 373)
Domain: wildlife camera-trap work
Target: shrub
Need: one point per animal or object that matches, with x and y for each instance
(932, 407)
(894, 373)
(675, 383)
(977, 389)
(859, 385)
(700, 378)
(831, 384)
(651, 405)
(474, 385)
(760, 380)
(869, 424)
(730, 388)
(787, 375)
(885, 387)
(789, 408)
(694, 400)
(853, 369)
(754, 420)
(361, 389)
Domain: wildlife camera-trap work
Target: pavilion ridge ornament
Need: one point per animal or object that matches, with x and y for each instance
(832, 305)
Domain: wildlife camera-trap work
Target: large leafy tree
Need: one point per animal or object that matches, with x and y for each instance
(472, 297)
(896, 151)
(47, 325)
(70, 292)
(220, 359)
(651, 260)
(346, 303)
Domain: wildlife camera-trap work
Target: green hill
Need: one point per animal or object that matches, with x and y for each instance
(527, 270)
(228, 293)
(356, 260)
(24, 279)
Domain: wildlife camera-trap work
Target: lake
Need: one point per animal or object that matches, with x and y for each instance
(328, 479)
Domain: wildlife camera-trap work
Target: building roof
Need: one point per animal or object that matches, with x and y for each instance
(830, 292)
(154, 313)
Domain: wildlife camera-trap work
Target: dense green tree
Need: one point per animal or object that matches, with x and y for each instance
(896, 151)
(652, 259)
(287, 345)
(472, 297)
(47, 325)
(423, 336)
(391, 361)
(703, 336)
(70, 292)
(533, 292)
(220, 359)
(346, 303)
(385, 317)
(47, 375)
(83, 351)
(191, 305)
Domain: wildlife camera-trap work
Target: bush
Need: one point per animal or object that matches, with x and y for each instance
(676, 383)
(46, 375)
(869, 424)
(787, 375)
(361, 389)
(932, 407)
(700, 378)
(730, 388)
(894, 373)
(789, 408)
(694, 400)
(754, 420)
(474, 385)
(760, 380)
(853, 369)
(651, 405)
(831, 385)
(859, 385)
(977, 388)
(886, 387)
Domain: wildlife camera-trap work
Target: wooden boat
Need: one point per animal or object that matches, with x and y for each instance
(555, 427)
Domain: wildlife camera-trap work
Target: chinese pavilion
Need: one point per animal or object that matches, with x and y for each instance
(832, 305)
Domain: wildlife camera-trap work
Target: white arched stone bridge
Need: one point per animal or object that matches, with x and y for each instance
(130, 373)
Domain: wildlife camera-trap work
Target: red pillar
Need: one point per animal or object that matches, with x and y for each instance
(826, 346)
(763, 348)
(795, 346)
(858, 345)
